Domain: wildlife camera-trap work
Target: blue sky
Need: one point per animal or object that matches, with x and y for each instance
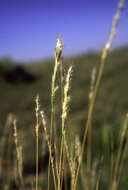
(28, 28)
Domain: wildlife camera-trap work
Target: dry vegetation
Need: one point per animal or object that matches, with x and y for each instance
(70, 158)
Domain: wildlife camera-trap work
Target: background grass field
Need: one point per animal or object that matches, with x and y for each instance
(18, 98)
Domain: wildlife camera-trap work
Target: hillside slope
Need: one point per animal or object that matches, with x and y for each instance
(112, 98)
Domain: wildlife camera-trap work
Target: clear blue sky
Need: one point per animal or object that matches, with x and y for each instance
(28, 28)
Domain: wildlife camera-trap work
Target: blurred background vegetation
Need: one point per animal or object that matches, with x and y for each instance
(19, 85)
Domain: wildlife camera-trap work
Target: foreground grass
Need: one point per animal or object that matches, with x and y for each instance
(66, 144)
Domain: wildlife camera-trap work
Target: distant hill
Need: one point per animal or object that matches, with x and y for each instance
(19, 86)
(111, 103)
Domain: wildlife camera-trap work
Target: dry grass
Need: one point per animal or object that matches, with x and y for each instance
(65, 160)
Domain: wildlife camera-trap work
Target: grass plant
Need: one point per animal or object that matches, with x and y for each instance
(66, 159)
(103, 60)
(37, 140)
(19, 156)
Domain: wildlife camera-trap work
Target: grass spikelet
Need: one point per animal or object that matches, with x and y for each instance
(77, 148)
(58, 53)
(58, 50)
(113, 30)
(66, 97)
(19, 155)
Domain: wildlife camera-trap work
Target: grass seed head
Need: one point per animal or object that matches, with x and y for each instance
(59, 48)
(66, 96)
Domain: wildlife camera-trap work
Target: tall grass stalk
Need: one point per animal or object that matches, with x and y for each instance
(62, 98)
(37, 140)
(44, 123)
(58, 52)
(103, 60)
(92, 86)
(64, 116)
(64, 175)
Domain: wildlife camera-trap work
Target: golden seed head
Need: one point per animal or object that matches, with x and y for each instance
(77, 146)
(43, 118)
(66, 96)
(59, 44)
(37, 103)
(15, 130)
(59, 48)
(121, 5)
